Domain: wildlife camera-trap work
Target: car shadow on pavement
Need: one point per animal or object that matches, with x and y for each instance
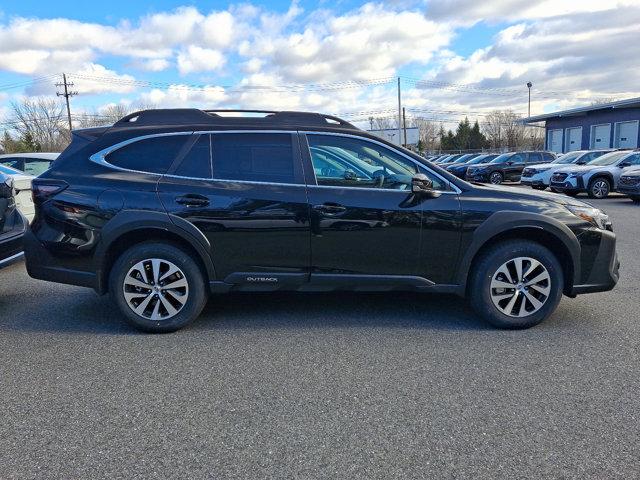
(82, 311)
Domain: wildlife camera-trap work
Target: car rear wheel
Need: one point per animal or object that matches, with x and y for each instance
(599, 188)
(496, 178)
(516, 284)
(158, 287)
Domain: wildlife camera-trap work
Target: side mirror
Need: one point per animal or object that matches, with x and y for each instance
(422, 185)
(624, 164)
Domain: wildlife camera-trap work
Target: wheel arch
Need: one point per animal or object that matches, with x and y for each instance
(507, 225)
(131, 227)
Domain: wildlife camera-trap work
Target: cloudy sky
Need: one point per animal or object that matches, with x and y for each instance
(454, 57)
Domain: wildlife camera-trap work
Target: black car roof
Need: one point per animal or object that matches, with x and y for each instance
(190, 117)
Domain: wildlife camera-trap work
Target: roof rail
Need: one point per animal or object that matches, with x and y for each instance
(180, 116)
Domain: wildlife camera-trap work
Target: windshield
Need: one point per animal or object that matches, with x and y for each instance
(567, 158)
(609, 158)
(502, 158)
(481, 159)
(464, 158)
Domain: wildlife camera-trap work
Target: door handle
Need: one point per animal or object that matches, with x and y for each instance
(330, 208)
(192, 200)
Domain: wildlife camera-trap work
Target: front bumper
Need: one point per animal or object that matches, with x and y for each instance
(602, 271)
(570, 184)
(531, 182)
(629, 190)
(482, 177)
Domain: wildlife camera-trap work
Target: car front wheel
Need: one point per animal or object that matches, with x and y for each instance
(158, 287)
(599, 188)
(496, 178)
(516, 284)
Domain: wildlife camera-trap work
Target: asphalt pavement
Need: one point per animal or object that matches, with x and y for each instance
(323, 386)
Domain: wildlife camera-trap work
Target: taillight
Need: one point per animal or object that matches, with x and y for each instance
(42, 190)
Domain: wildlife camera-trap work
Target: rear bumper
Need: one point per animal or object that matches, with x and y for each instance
(605, 271)
(43, 266)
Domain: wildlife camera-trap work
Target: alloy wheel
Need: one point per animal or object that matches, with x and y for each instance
(495, 178)
(155, 289)
(600, 188)
(520, 287)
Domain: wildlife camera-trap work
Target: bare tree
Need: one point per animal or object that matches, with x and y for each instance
(505, 130)
(41, 123)
(110, 114)
(427, 132)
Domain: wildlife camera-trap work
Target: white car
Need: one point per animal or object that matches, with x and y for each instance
(599, 177)
(539, 176)
(22, 187)
(30, 163)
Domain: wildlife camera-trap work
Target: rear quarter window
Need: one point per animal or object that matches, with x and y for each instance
(153, 155)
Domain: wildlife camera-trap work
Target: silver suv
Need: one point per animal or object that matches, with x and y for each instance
(539, 176)
(598, 178)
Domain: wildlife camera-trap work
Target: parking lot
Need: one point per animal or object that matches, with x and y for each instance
(346, 385)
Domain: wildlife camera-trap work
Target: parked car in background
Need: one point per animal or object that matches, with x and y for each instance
(130, 209)
(507, 167)
(450, 159)
(30, 163)
(629, 184)
(460, 170)
(598, 178)
(12, 223)
(22, 187)
(539, 176)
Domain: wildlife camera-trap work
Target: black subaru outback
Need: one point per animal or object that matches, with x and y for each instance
(167, 206)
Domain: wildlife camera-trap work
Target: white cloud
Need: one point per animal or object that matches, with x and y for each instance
(153, 64)
(198, 59)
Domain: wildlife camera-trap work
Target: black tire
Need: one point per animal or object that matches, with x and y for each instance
(197, 292)
(496, 178)
(539, 187)
(554, 190)
(599, 187)
(635, 199)
(479, 287)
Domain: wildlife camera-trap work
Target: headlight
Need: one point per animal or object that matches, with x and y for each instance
(594, 216)
(576, 174)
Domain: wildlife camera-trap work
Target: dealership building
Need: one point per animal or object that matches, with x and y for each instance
(607, 125)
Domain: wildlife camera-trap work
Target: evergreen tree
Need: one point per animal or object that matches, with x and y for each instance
(477, 140)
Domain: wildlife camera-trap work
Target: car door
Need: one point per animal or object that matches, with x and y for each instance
(245, 192)
(366, 225)
(514, 167)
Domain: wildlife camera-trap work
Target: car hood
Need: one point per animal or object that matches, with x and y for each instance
(581, 168)
(522, 194)
(544, 165)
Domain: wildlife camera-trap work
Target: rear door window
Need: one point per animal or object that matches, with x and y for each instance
(534, 158)
(255, 157)
(152, 155)
(36, 166)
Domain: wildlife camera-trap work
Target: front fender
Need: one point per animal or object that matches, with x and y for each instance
(512, 221)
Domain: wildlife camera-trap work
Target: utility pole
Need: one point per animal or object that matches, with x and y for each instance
(404, 125)
(66, 94)
(399, 115)
(529, 85)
